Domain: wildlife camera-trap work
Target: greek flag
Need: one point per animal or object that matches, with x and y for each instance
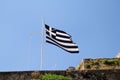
(60, 39)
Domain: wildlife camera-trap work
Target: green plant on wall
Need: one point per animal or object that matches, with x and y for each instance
(55, 77)
(104, 61)
(110, 62)
(116, 62)
(96, 63)
(87, 65)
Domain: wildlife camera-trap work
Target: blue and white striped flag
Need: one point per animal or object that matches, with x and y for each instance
(60, 39)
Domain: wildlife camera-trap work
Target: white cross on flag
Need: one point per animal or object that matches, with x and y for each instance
(60, 39)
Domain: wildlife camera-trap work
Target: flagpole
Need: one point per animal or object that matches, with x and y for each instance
(42, 44)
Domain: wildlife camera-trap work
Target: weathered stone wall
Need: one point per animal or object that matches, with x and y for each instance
(76, 75)
(99, 64)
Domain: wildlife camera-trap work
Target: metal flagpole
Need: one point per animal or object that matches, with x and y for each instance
(42, 43)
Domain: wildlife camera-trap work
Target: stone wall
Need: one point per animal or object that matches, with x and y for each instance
(76, 75)
(99, 64)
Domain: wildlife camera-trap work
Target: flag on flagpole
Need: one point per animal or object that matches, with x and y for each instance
(60, 39)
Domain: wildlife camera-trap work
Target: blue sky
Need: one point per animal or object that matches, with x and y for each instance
(93, 24)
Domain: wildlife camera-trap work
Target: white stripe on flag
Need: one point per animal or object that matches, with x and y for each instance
(64, 39)
(62, 34)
